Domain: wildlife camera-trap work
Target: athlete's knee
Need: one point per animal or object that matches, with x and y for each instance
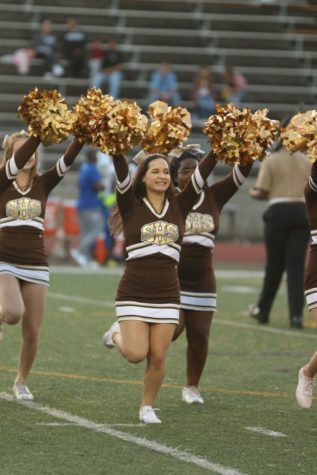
(12, 314)
(135, 356)
(158, 360)
(200, 341)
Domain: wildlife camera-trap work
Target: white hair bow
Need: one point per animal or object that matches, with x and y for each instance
(178, 151)
(139, 157)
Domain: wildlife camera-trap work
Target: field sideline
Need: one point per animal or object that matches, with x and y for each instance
(84, 417)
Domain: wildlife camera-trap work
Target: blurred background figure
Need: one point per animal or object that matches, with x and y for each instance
(234, 87)
(90, 213)
(45, 47)
(74, 48)
(107, 198)
(203, 92)
(164, 86)
(96, 54)
(111, 70)
(281, 180)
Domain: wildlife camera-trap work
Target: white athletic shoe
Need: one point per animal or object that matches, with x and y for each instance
(22, 392)
(191, 395)
(79, 258)
(148, 416)
(107, 337)
(304, 390)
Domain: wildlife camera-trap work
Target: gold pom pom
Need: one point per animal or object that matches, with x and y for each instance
(87, 111)
(239, 136)
(301, 134)
(47, 115)
(112, 125)
(169, 127)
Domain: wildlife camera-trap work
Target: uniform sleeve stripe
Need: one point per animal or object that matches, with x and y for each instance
(124, 183)
(312, 184)
(123, 186)
(61, 166)
(238, 177)
(11, 169)
(197, 180)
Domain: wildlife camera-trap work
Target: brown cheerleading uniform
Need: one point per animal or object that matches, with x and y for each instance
(22, 250)
(311, 269)
(196, 274)
(149, 288)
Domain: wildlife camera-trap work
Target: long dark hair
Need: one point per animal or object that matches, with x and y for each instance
(176, 162)
(139, 189)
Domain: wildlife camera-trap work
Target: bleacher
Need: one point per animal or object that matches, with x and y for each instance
(273, 43)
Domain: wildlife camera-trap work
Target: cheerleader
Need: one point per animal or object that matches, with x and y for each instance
(196, 273)
(304, 390)
(147, 301)
(24, 274)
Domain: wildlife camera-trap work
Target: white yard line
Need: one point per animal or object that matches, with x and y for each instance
(183, 456)
(263, 431)
(262, 328)
(224, 274)
(219, 321)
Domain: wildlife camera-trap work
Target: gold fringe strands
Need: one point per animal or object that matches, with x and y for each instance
(301, 134)
(47, 115)
(88, 110)
(240, 136)
(114, 126)
(169, 126)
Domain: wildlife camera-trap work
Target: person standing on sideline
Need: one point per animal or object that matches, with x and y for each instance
(90, 214)
(304, 390)
(24, 273)
(281, 180)
(195, 270)
(111, 70)
(147, 301)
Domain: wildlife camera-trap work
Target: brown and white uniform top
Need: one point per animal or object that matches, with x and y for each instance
(311, 269)
(149, 288)
(22, 250)
(196, 274)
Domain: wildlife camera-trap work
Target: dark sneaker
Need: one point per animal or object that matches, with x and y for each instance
(297, 322)
(255, 312)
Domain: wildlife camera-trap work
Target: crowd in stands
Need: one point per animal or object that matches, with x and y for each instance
(71, 55)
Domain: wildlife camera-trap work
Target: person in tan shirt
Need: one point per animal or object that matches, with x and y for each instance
(281, 181)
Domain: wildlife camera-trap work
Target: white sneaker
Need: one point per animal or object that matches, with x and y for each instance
(107, 337)
(148, 416)
(79, 258)
(304, 390)
(191, 395)
(22, 392)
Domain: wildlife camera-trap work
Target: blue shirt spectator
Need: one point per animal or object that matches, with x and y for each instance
(164, 86)
(90, 213)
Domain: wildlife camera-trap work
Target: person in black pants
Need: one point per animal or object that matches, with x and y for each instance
(281, 180)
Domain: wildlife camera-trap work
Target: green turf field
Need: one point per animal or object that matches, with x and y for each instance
(84, 417)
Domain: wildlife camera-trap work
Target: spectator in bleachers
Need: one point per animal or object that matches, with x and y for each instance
(74, 48)
(96, 54)
(45, 45)
(234, 86)
(203, 92)
(111, 70)
(164, 86)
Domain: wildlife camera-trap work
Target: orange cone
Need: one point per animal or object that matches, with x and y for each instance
(101, 251)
